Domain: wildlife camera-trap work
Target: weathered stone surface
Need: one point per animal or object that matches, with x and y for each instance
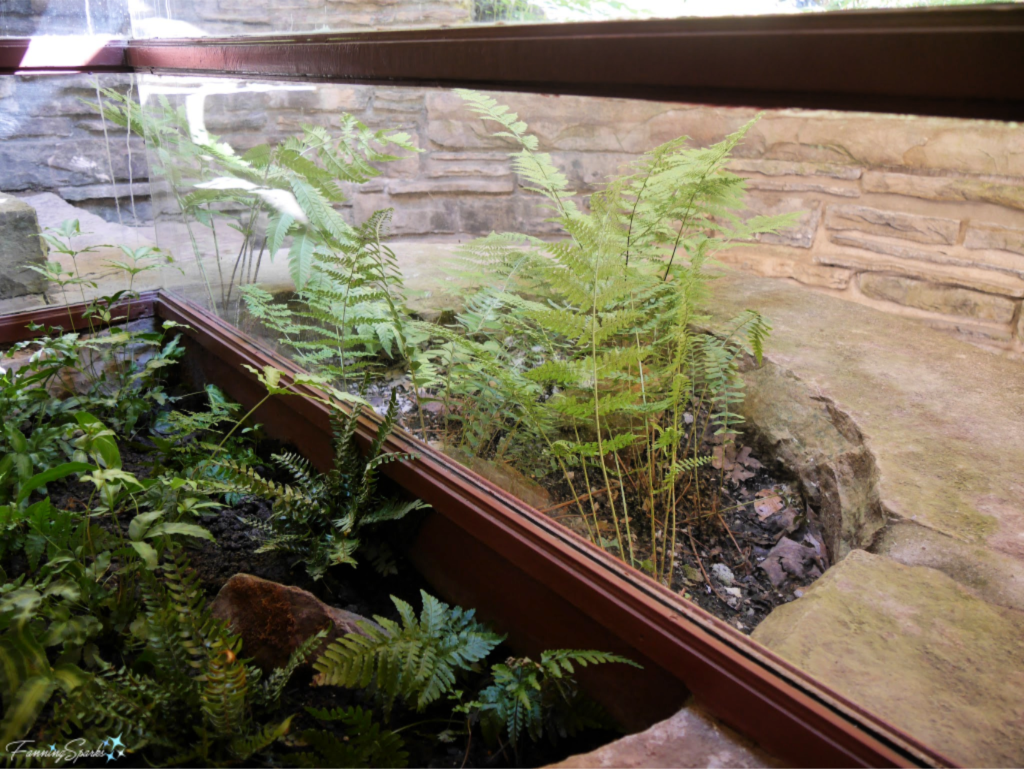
(780, 262)
(772, 185)
(993, 575)
(690, 738)
(801, 234)
(992, 236)
(812, 439)
(942, 419)
(954, 273)
(273, 620)
(915, 648)
(789, 168)
(102, 191)
(1001, 192)
(922, 229)
(458, 186)
(20, 249)
(937, 298)
(894, 248)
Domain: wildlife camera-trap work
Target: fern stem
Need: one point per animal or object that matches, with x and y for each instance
(240, 421)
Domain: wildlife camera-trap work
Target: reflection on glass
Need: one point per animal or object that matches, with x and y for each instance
(232, 17)
(533, 287)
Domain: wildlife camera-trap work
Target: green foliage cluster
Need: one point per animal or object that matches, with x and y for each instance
(320, 517)
(589, 346)
(268, 194)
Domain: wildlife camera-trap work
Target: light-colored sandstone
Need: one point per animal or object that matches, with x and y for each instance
(690, 738)
(991, 236)
(922, 229)
(937, 298)
(917, 649)
(1001, 192)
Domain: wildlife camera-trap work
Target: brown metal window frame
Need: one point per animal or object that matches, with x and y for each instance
(955, 62)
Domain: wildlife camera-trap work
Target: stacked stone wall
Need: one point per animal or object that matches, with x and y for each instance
(917, 216)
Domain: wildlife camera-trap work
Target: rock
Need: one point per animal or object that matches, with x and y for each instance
(823, 448)
(789, 559)
(922, 229)
(690, 738)
(273, 619)
(799, 235)
(722, 573)
(457, 186)
(917, 428)
(788, 168)
(953, 271)
(993, 236)
(915, 648)
(934, 297)
(1007, 193)
(771, 185)
(20, 248)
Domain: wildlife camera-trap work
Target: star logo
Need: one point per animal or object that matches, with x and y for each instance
(53, 747)
(115, 742)
(110, 757)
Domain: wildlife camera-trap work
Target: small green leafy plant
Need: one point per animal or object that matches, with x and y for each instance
(321, 520)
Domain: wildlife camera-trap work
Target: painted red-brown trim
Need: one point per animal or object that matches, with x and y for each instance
(958, 62)
(56, 55)
(14, 327)
(745, 685)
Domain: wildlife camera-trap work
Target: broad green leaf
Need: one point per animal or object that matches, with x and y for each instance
(187, 529)
(277, 230)
(147, 554)
(53, 474)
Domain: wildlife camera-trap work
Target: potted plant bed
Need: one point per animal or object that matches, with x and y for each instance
(543, 585)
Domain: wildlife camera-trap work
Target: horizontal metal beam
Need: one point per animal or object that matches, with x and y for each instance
(957, 62)
(65, 53)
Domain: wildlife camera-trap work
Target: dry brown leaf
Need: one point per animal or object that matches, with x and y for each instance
(768, 506)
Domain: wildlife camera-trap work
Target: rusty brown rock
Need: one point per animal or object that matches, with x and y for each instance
(273, 619)
(690, 738)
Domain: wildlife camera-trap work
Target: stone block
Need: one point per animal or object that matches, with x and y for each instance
(782, 262)
(790, 168)
(1008, 193)
(801, 234)
(589, 171)
(475, 164)
(773, 185)
(20, 248)
(936, 297)
(915, 648)
(995, 237)
(104, 191)
(457, 186)
(422, 215)
(971, 276)
(922, 229)
(690, 738)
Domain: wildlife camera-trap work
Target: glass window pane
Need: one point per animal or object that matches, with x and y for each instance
(855, 486)
(25, 18)
(235, 17)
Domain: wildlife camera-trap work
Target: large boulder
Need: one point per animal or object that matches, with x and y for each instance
(20, 248)
(690, 738)
(274, 620)
(917, 649)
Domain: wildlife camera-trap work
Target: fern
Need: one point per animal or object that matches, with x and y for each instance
(365, 742)
(190, 687)
(322, 519)
(602, 324)
(415, 660)
(528, 697)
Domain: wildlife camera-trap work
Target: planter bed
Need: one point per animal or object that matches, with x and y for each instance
(547, 587)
